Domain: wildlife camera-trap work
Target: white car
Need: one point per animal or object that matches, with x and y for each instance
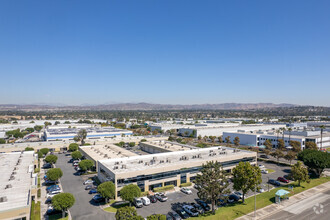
(89, 181)
(264, 171)
(52, 194)
(261, 190)
(186, 190)
(145, 200)
(261, 166)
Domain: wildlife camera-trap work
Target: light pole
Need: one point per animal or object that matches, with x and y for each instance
(268, 183)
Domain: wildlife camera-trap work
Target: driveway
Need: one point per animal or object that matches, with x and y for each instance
(83, 208)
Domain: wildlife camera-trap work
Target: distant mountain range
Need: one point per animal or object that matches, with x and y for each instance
(144, 106)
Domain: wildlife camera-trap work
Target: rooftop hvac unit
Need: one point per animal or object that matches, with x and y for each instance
(8, 186)
(115, 167)
(3, 199)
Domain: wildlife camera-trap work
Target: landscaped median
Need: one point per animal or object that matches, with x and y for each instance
(113, 206)
(35, 211)
(270, 170)
(263, 199)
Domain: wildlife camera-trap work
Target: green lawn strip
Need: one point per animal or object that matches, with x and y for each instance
(35, 211)
(270, 170)
(113, 208)
(263, 200)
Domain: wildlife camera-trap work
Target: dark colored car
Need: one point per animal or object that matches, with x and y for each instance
(174, 215)
(264, 156)
(182, 213)
(152, 198)
(282, 179)
(92, 191)
(50, 182)
(98, 198)
(288, 177)
(198, 208)
(233, 198)
(205, 206)
(52, 188)
(274, 182)
(168, 217)
(47, 166)
(221, 202)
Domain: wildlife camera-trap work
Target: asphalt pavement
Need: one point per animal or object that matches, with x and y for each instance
(83, 209)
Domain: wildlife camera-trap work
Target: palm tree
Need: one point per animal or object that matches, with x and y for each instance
(277, 133)
(283, 129)
(322, 128)
(289, 129)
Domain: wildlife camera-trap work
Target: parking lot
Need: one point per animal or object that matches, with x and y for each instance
(84, 208)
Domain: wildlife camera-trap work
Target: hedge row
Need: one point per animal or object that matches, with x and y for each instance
(164, 188)
(186, 184)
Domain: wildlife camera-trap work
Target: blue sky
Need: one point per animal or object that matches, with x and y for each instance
(164, 51)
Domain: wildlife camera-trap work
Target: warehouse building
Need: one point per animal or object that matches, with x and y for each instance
(162, 146)
(258, 138)
(61, 133)
(17, 185)
(170, 168)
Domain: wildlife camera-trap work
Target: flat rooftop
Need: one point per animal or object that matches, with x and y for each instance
(177, 158)
(15, 179)
(61, 131)
(109, 151)
(272, 133)
(169, 146)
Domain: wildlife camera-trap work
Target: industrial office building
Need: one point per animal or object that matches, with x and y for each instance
(162, 146)
(161, 169)
(17, 184)
(258, 138)
(61, 133)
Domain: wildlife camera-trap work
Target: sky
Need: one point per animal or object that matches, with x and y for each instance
(75, 52)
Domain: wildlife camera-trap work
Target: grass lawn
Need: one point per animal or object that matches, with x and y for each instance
(263, 199)
(270, 170)
(113, 208)
(35, 211)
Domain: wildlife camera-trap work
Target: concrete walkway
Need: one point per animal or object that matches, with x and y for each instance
(267, 211)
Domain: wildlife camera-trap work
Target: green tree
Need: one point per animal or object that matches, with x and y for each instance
(2, 141)
(51, 159)
(291, 155)
(277, 154)
(73, 147)
(54, 174)
(107, 190)
(63, 202)
(57, 122)
(129, 192)
(236, 141)
(299, 173)
(81, 136)
(156, 217)
(199, 137)
(29, 149)
(281, 144)
(268, 144)
(296, 145)
(227, 139)
(290, 130)
(131, 144)
(15, 133)
(315, 160)
(67, 122)
(212, 182)
(40, 155)
(76, 155)
(85, 165)
(44, 151)
(38, 127)
(246, 177)
(127, 213)
(311, 145)
(220, 139)
(212, 138)
(47, 123)
(29, 130)
(322, 128)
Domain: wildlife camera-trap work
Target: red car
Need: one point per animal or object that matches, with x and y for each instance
(282, 179)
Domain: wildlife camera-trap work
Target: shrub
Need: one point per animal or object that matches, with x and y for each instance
(146, 193)
(51, 159)
(156, 217)
(76, 155)
(36, 170)
(40, 155)
(144, 140)
(185, 184)
(29, 149)
(44, 151)
(164, 188)
(39, 193)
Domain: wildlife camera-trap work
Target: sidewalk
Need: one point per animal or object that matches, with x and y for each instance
(263, 213)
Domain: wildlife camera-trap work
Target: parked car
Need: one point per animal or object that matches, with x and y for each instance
(196, 186)
(261, 166)
(152, 198)
(52, 194)
(138, 203)
(47, 166)
(97, 198)
(182, 213)
(145, 201)
(52, 188)
(92, 191)
(264, 171)
(190, 210)
(222, 202)
(264, 156)
(261, 190)
(233, 198)
(274, 182)
(198, 208)
(88, 187)
(174, 215)
(240, 195)
(282, 179)
(89, 181)
(168, 217)
(50, 182)
(51, 210)
(288, 177)
(205, 206)
(161, 197)
(186, 190)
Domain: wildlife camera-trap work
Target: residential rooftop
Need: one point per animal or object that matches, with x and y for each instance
(16, 179)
